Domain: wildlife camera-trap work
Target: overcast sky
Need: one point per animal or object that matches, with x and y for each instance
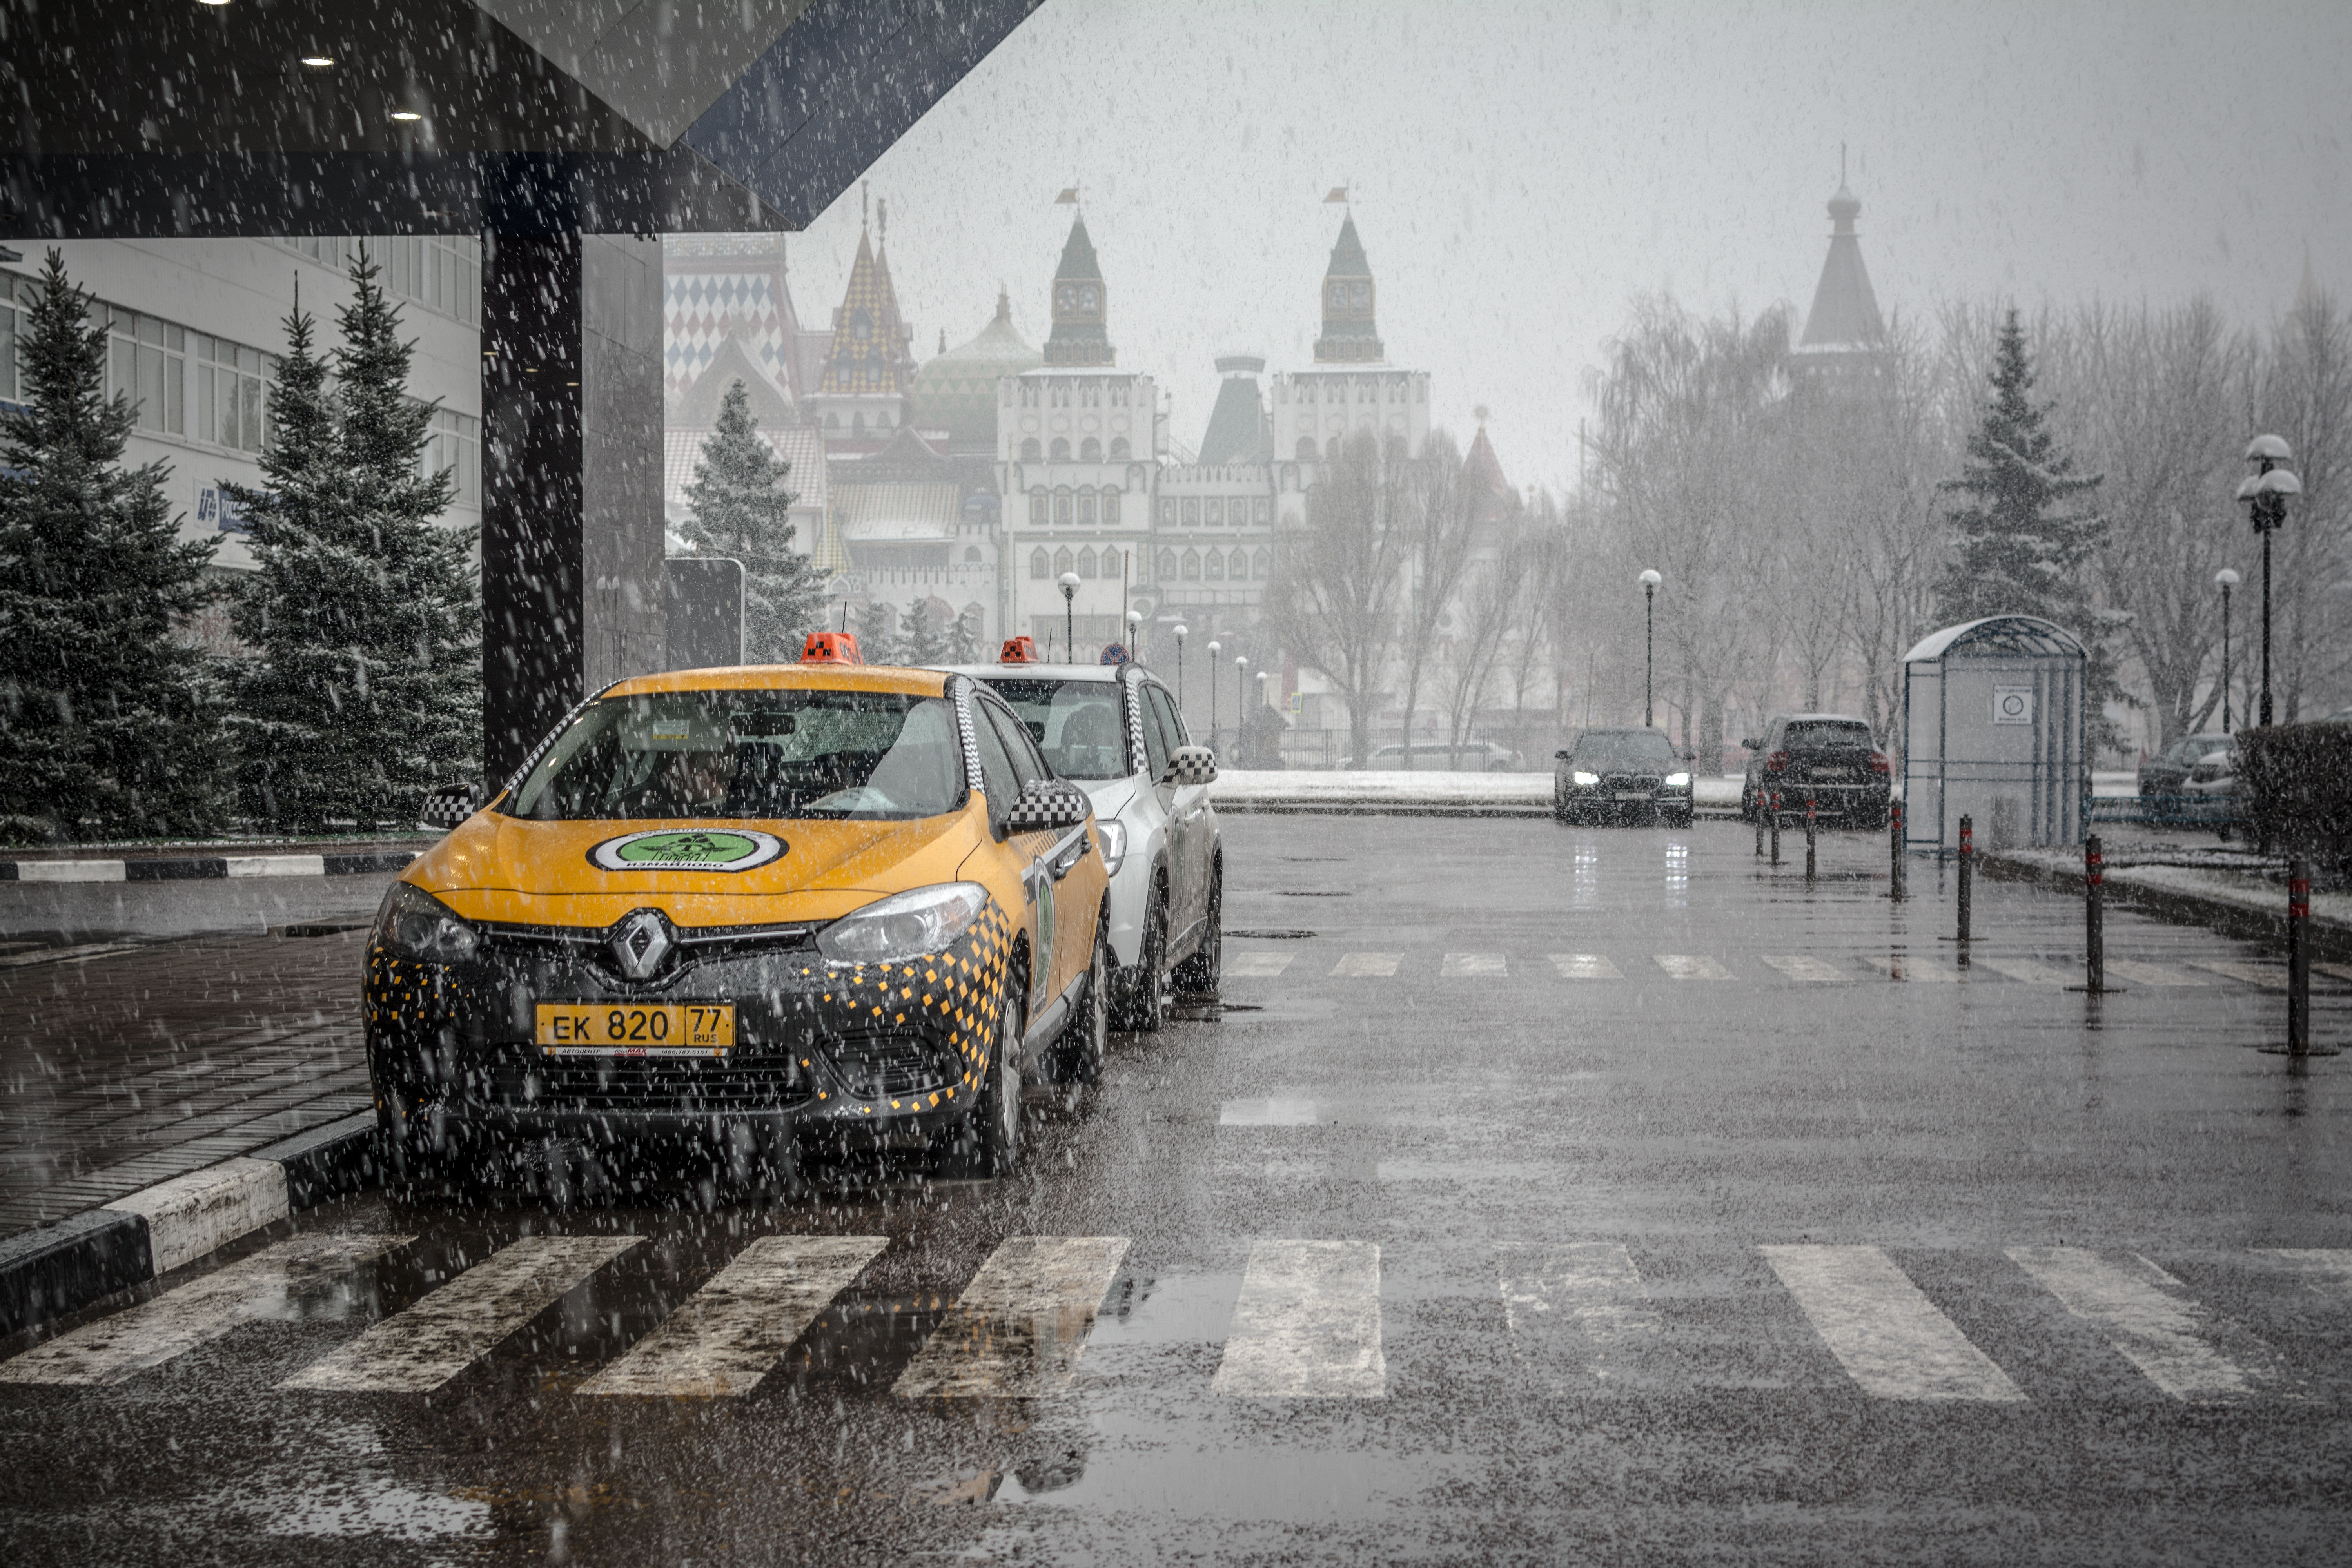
(1522, 171)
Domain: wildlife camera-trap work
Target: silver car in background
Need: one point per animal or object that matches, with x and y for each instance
(1114, 731)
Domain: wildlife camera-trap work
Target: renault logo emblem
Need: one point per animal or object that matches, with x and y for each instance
(640, 943)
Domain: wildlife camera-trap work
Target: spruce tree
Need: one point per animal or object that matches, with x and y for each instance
(964, 639)
(877, 638)
(741, 510)
(917, 642)
(364, 690)
(109, 726)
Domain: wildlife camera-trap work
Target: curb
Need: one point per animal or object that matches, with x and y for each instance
(205, 868)
(2180, 906)
(46, 1273)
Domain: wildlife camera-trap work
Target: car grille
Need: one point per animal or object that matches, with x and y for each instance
(619, 1083)
(878, 1067)
(1647, 782)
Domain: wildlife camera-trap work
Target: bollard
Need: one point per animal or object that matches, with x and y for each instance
(1809, 837)
(1895, 838)
(1968, 866)
(2298, 957)
(2094, 890)
(1776, 827)
(1759, 822)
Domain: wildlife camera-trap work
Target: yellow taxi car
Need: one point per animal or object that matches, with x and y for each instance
(742, 911)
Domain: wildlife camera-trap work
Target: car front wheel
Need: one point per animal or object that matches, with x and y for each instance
(1198, 976)
(1144, 998)
(989, 1144)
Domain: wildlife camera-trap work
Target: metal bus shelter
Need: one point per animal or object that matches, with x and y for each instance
(1994, 729)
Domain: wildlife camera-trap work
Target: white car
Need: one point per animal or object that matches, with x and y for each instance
(1114, 731)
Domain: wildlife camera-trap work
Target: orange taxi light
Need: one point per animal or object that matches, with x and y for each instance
(831, 648)
(1017, 650)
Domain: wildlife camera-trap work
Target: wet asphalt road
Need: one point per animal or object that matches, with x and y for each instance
(1658, 1253)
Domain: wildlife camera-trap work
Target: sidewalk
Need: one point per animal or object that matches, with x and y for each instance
(127, 1063)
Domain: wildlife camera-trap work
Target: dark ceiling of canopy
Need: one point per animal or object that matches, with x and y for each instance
(176, 118)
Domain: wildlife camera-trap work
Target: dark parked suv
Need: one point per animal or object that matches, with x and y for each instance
(1829, 756)
(1619, 775)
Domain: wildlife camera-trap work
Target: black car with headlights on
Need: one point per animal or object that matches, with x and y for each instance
(1621, 776)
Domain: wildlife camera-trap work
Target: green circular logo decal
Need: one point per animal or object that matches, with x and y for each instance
(687, 850)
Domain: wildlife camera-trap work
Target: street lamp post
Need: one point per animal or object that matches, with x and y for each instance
(2264, 493)
(1240, 709)
(1135, 636)
(1069, 617)
(2228, 579)
(1180, 629)
(1214, 649)
(1649, 581)
(1261, 688)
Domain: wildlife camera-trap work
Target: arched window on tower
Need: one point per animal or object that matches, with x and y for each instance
(1262, 565)
(1239, 566)
(1028, 394)
(1109, 508)
(1031, 452)
(1118, 450)
(1191, 565)
(1214, 567)
(971, 554)
(1119, 394)
(1061, 448)
(1040, 509)
(1061, 399)
(1085, 509)
(1064, 560)
(1039, 567)
(1062, 506)
(857, 425)
(1087, 564)
(833, 421)
(1090, 394)
(1090, 451)
(1167, 564)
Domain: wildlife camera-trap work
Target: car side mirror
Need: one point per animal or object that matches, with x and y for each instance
(1190, 766)
(1690, 756)
(1753, 744)
(450, 806)
(1048, 805)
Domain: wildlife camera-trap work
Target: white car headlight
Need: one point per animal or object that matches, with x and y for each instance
(1114, 845)
(413, 923)
(1677, 781)
(1582, 777)
(904, 925)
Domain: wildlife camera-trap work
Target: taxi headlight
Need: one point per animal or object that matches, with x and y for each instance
(1114, 845)
(904, 925)
(1678, 781)
(413, 923)
(1583, 779)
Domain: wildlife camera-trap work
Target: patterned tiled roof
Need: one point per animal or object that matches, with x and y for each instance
(870, 352)
(737, 293)
(898, 511)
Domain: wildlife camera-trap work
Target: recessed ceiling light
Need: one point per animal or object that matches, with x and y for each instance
(404, 115)
(318, 59)
(212, 2)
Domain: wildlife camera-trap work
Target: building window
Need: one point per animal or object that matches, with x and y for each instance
(971, 554)
(1109, 508)
(882, 422)
(1062, 506)
(1039, 568)
(1064, 560)
(833, 421)
(1085, 509)
(856, 426)
(1119, 394)
(1061, 449)
(1307, 448)
(8, 335)
(1263, 507)
(147, 363)
(1090, 394)
(1191, 565)
(1167, 511)
(232, 392)
(1028, 394)
(1040, 511)
(1031, 451)
(1118, 448)
(1262, 563)
(1215, 508)
(1167, 563)
(1239, 566)
(455, 445)
(1192, 512)
(1090, 451)
(1087, 564)
(1061, 394)
(1305, 392)
(441, 272)
(1215, 566)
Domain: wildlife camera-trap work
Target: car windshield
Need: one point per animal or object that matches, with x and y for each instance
(1624, 749)
(1075, 722)
(1827, 732)
(749, 756)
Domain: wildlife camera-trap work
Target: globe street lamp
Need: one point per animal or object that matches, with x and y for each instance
(1069, 617)
(1214, 649)
(1261, 688)
(1135, 636)
(2264, 493)
(2228, 579)
(1240, 709)
(1180, 630)
(1649, 581)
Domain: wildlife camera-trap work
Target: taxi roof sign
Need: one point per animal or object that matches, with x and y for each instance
(831, 648)
(1018, 650)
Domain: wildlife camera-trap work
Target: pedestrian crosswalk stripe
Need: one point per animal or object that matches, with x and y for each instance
(1586, 1293)
(730, 1333)
(1269, 1113)
(1912, 967)
(1353, 966)
(1307, 1325)
(418, 1350)
(1257, 965)
(2152, 1321)
(2160, 975)
(1797, 966)
(1459, 965)
(1691, 966)
(1585, 966)
(2270, 975)
(2029, 971)
(1019, 1327)
(2328, 1269)
(1883, 1328)
(152, 1333)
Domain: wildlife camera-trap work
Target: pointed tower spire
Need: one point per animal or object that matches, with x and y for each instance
(1081, 334)
(1350, 332)
(1843, 330)
(870, 353)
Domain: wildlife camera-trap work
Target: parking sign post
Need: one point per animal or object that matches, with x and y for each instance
(1776, 827)
(1809, 835)
(1967, 868)
(2298, 957)
(1895, 858)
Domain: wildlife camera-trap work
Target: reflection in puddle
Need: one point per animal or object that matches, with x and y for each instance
(1677, 875)
(1584, 876)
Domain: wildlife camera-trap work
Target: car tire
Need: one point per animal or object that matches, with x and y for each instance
(1198, 977)
(1143, 1000)
(1079, 1053)
(989, 1142)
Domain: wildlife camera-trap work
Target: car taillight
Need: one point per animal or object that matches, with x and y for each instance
(1878, 762)
(1776, 761)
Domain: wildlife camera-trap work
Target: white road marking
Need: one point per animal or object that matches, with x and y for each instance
(1260, 965)
(277, 865)
(2326, 1269)
(2029, 971)
(189, 1315)
(1019, 1327)
(1883, 1328)
(418, 1350)
(1308, 1324)
(1691, 966)
(1590, 1288)
(2334, 971)
(1798, 966)
(2154, 974)
(1458, 966)
(1585, 966)
(65, 954)
(2271, 976)
(732, 1333)
(1269, 1113)
(1912, 967)
(2152, 1322)
(70, 871)
(1354, 965)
